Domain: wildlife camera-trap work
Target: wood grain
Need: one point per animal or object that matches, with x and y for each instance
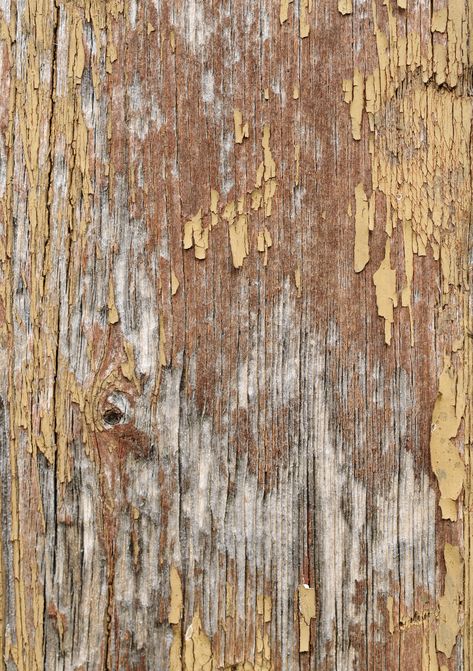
(235, 322)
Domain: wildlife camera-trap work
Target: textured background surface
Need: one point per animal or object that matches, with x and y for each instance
(235, 335)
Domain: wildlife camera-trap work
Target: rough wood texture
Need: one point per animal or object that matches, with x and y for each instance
(236, 335)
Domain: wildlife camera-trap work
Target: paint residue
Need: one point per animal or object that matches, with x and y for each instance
(447, 463)
(306, 614)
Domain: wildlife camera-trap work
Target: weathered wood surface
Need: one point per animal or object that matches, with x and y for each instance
(236, 361)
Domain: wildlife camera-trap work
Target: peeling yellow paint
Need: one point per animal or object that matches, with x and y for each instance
(195, 235)
(429, 652)
(386, 297)
(446, 460)
(264, 243)
(174, 618)
(197, 648)
(112, 309)
(347, 88)
(175, 607)
(283, 10)
(174, 283)
(362, 227)
(356, 104)
(450, 602)
(305, 10)
(439, 20)
(241, 129)
(306, 614)
(345, 6)
(236, 213)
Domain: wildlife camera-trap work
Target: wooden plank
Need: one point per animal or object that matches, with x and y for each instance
(235, 318)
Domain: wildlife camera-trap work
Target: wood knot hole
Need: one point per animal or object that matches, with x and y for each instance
(117, 410)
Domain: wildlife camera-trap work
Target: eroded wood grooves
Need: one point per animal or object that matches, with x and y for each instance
(236, 335)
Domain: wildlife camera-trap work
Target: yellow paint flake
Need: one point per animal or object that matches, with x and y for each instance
(237, 213)
(345, 6)
(305, 9)
(386, 298)
(264, 242)
(174, 283)
(112, 308)
(362, 227)
(175, 607)
(440, 63)
(150, 28)
(306, 614)
(263, 647)
(238, 229)
(284, 10)
(269, 164)
(174, 619)
(269, 174)
(76, 55)
(356, 105)
(195, 235)
(347, 88)
(446, 460)
(128, 367)
(429, 653)
(241, 129)
(197, 648)
(172, 41)
(111, 57)
(439, 20)
(296, 92)
(450, 602)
